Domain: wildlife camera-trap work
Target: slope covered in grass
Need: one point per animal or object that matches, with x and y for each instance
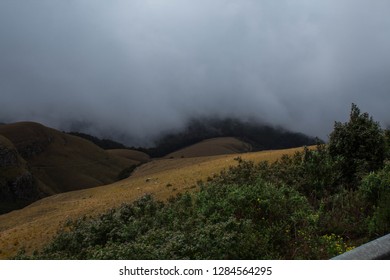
(212, 147)
(295, 208)
(136, 156)
(62, 162)
(30, 228)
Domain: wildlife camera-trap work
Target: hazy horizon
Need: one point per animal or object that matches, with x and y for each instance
(133, 69)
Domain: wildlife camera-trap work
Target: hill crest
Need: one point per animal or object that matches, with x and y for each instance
(212, 147)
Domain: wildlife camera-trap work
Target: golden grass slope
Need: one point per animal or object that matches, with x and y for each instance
(212, 147)
(30, 228)
(63, 162)
(136, 156)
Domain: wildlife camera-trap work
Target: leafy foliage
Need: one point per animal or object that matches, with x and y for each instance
(376, 190)
(220, 222)
(359, 145)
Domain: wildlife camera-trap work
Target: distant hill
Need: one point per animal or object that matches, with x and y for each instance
(211, 147)
(260, 136)
(57, 161)
(102, 143)
(108, 144)
(136, 156)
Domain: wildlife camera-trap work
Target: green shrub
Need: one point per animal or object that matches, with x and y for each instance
(358, 145)
(253, 221)
(375, 188)
(376, 184)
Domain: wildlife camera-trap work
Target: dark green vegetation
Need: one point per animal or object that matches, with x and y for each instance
(125, 173)
(260, 136)
(358, 146)
(18, 187)
(300, 207)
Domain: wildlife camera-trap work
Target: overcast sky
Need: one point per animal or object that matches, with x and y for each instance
(141, 67)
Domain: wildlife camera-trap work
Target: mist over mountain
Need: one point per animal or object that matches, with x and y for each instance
(132, 70)
(258, 136)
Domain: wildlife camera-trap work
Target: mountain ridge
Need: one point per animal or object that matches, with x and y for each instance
(59, 162)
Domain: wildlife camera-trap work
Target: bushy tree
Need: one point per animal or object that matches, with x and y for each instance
(387, 140)
(375, 188)
(358, 145)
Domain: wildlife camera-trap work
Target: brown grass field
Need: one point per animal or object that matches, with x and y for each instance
(32, 227)
(135, 156)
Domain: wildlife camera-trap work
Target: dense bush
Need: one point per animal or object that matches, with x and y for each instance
(376, 191)
(253, 221)
(358, 144)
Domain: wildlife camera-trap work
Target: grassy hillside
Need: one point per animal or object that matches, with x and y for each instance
(212, 147)
(102, 143)
(295, 208)
(62, 162)
(30, 228)
(136, 156)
